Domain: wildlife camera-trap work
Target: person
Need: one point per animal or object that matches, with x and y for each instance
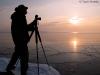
(19, 31)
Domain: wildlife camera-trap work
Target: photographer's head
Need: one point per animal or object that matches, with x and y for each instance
(21, 9)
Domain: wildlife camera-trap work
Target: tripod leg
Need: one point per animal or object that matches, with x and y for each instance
(31, 35)
(37, 52)
(42, 46)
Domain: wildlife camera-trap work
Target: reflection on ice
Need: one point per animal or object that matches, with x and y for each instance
(74, 43)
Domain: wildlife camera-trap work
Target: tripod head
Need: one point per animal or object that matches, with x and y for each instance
(37, 18)
(35, 22)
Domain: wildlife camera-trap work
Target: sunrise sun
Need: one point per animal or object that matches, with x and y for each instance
(75, 20)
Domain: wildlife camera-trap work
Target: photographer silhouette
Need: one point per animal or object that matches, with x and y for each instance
(19, 31)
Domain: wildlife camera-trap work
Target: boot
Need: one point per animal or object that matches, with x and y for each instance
(9, 68)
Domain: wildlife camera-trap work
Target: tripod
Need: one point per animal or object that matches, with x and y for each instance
(38, 38)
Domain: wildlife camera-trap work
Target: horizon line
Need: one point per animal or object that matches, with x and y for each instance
(64, 32)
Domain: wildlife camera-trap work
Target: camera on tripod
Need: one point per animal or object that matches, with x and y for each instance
(37, 18)
(37, 37)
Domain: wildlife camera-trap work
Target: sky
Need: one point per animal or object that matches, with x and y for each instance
(55, 14)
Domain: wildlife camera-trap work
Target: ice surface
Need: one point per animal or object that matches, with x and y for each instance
(32, 70)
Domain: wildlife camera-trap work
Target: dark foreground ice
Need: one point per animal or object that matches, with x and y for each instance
(32, 70)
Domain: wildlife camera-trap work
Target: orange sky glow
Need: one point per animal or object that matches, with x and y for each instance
(55, 15)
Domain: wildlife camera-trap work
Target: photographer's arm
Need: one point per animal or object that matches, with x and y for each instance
(30, 27)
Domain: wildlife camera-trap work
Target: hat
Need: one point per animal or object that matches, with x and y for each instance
(21, 7)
